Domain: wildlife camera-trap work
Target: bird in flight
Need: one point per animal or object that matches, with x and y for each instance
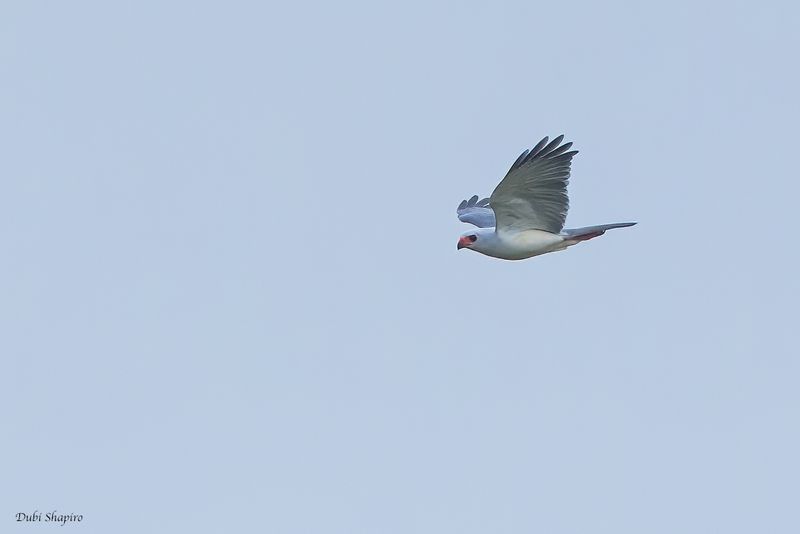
(525, 215)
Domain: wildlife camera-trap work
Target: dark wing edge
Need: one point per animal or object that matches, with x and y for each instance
(545, 151)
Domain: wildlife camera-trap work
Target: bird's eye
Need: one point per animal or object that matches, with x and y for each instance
(472, 238)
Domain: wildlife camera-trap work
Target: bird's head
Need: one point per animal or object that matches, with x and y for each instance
(467, 240)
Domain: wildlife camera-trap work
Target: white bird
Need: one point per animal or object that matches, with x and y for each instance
(525, 215)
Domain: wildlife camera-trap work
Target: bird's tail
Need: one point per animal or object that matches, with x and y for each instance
(588, 232)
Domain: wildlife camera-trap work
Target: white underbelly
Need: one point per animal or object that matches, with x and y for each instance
(532, 243)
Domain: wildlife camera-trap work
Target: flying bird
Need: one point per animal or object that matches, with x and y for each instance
(525, 215)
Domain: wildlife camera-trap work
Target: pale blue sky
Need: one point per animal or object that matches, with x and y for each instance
(231, 298)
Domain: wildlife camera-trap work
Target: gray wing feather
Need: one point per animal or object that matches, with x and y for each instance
(533, 194)
(477, 212)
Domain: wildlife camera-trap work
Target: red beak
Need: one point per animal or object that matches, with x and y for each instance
(463, 242)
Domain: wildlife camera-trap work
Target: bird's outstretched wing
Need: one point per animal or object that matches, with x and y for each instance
(533, 194)
(477, 212)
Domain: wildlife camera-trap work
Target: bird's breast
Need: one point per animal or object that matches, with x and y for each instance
(529, 243)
